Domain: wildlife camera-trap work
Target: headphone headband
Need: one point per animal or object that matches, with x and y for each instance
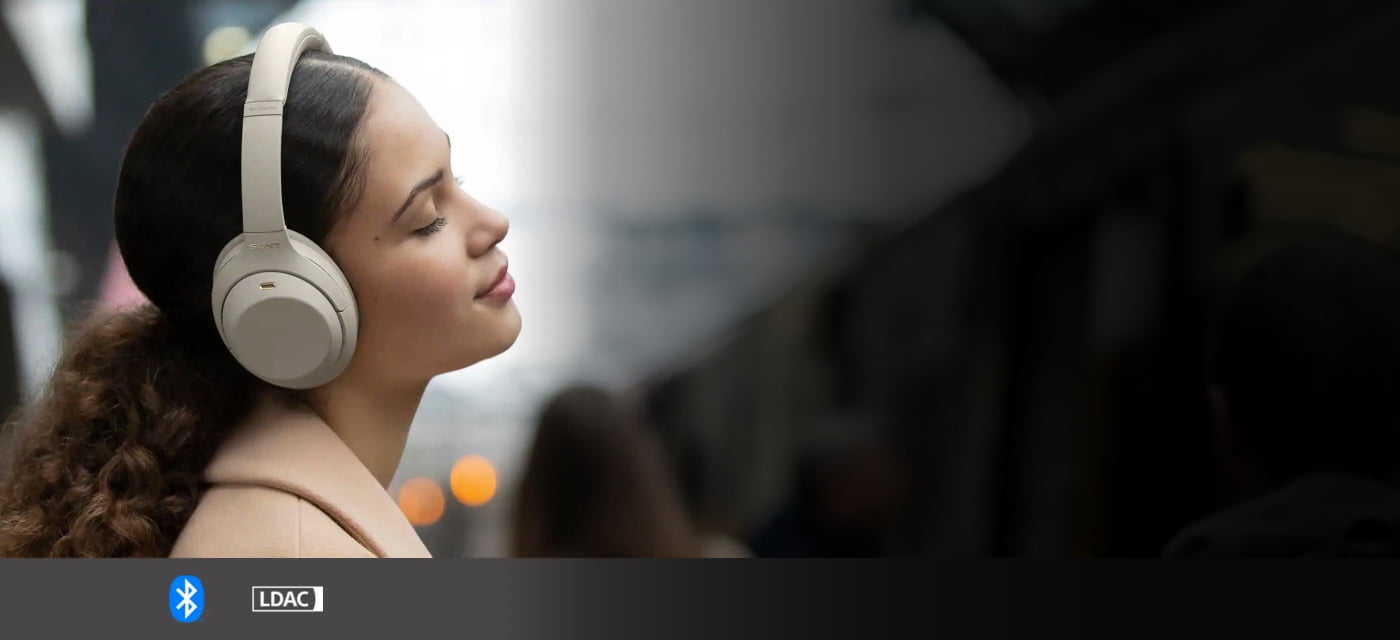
(277, 55)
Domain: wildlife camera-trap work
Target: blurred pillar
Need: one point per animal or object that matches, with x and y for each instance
(138, 50)
(19, 93)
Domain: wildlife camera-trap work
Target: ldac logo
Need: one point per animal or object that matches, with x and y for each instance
(291, 599)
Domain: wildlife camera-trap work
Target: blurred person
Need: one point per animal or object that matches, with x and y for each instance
(597, 485)
(151, 439)
(715, 531)
(1305, 363)
(849, 489)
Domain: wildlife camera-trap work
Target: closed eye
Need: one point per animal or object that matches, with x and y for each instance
(439, 222)
(433, 227)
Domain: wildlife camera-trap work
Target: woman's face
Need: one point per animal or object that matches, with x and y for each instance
(420, 253)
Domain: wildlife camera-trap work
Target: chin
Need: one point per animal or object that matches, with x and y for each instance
(507, 329)
(493, 339)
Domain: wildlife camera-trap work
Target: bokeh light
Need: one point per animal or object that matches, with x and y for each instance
(473, 480)
(422, 501)
(224, 43)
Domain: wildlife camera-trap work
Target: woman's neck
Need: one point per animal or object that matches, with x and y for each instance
(371, 417)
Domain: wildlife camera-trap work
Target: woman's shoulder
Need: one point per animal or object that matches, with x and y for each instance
(254, 521)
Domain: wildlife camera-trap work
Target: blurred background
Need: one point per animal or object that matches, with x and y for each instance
(859, 278)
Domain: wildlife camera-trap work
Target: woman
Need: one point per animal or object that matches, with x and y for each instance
(596, 485)
(153, 440)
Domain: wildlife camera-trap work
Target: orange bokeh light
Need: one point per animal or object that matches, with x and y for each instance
(473, 480)
(421, 500)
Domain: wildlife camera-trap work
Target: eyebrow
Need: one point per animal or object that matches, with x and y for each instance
(426, 184)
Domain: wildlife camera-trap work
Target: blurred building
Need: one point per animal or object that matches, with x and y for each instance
(28, 323)
(18, 93)
(1034, 347)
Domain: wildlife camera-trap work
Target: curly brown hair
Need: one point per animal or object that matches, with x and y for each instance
(108, 460)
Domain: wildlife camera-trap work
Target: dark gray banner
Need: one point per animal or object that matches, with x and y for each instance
(702, 599)
(470, 598)
(477, 599)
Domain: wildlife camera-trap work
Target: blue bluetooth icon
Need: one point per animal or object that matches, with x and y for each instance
(186, 599)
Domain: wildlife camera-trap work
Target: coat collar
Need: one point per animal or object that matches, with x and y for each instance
(293, 450)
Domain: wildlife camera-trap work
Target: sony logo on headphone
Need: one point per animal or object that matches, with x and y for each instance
(259, 246)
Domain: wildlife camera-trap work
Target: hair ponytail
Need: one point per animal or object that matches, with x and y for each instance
(109, 461)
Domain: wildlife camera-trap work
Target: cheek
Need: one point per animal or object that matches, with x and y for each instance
(418, 315)
(409, 302)
(420, 318)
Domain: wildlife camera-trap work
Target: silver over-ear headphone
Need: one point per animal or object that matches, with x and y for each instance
(282, 306)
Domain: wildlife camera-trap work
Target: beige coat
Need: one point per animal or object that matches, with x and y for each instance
(285, 486)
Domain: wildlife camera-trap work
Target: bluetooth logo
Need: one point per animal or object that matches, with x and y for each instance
(186, 599)
(186, 605)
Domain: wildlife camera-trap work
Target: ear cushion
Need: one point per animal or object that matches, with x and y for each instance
(350, 315)
(318, 256)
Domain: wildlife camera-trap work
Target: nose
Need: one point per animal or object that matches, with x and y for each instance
(490, 229)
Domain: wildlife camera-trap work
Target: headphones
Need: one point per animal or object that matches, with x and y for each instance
(282, 306)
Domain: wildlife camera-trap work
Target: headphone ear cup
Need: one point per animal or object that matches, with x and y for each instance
(288, 316)
(283, 330)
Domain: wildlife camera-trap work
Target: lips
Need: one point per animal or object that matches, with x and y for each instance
(501, 287)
